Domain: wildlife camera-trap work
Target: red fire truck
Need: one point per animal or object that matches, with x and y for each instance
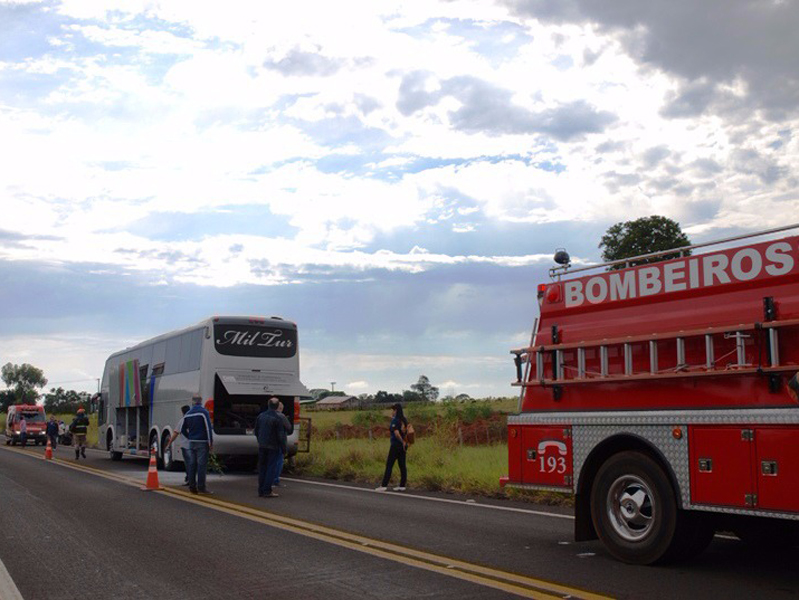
(663, 396)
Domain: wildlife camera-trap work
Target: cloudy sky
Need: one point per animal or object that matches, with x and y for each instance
(394, 176)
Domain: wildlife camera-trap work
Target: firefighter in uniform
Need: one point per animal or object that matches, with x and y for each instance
(79, 427)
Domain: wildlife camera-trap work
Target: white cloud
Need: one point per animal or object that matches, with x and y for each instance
(356, 386)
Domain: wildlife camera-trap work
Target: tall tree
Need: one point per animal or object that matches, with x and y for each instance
(23, 379)
(60, 401)
(424, 388)
(643, 236)
(7, 398)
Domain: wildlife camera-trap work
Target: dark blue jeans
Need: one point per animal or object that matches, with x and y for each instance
(196, 464)
(278, 466)
(267, 467)
(396, 453)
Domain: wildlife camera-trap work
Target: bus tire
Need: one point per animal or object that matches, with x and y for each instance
(167, 456)
(109, 445)
(633, 508)
(159, 459)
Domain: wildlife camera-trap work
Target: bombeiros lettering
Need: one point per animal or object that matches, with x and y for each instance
(745, 264)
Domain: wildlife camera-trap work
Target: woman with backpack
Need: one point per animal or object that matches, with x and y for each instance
(396, 452)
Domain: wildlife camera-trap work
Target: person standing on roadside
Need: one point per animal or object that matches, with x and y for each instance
(181, 441)
(52, 432)
(199, 435)
(79, 428)
(267, 429)
(23, 431)
(397, 450)
(285, 431)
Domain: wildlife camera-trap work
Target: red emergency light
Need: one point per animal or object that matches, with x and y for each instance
(553, 293)
(549, 291)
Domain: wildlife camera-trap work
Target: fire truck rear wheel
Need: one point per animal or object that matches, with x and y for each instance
(633, 508)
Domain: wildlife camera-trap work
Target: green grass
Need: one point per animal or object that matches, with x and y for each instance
(431, 466)
(416, 413)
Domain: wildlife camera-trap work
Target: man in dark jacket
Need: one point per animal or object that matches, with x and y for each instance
(199, 435)
(285, 430)
(52, 432)
(267, 430)
(79, 428)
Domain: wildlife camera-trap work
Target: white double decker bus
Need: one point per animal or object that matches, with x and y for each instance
(235, 363)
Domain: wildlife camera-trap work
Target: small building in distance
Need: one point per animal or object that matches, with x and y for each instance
(334, 402)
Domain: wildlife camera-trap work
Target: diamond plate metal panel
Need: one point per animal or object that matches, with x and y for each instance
(587, 437)
(761, 416)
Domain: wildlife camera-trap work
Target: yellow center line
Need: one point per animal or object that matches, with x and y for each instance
(513, 583)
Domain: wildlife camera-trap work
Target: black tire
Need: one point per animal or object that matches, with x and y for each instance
(159, 461)
(167, 454)
(13, 442)
(633, 509)
(115, 456)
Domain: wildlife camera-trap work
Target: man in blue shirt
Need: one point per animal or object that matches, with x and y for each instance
(267, 430)
(199, 435)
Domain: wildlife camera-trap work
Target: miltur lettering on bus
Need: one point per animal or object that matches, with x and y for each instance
(267, 339)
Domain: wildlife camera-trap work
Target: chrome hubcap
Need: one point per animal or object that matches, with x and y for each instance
(631, 508)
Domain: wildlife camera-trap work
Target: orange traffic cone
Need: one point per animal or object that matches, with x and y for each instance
(48, 450)
(152, 474)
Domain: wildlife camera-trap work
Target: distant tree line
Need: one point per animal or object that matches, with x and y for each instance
(421, 391)
(23, 384)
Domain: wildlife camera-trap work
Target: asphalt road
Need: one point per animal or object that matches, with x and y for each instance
(90, 532)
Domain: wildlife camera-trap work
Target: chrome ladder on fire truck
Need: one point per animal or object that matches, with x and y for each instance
(739, 332)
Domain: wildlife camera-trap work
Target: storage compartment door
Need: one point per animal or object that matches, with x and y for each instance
(515, 458)
(777, 468)
(721, 466)
(547, 456)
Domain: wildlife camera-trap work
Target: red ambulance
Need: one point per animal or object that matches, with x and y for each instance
(35, 420)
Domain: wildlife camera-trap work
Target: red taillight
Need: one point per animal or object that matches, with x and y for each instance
(296, 410)
(209, 406)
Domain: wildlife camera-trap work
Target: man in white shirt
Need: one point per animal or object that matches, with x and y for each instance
(181, 440)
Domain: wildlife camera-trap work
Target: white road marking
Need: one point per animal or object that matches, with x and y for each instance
(473, 503)
(8, 589)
